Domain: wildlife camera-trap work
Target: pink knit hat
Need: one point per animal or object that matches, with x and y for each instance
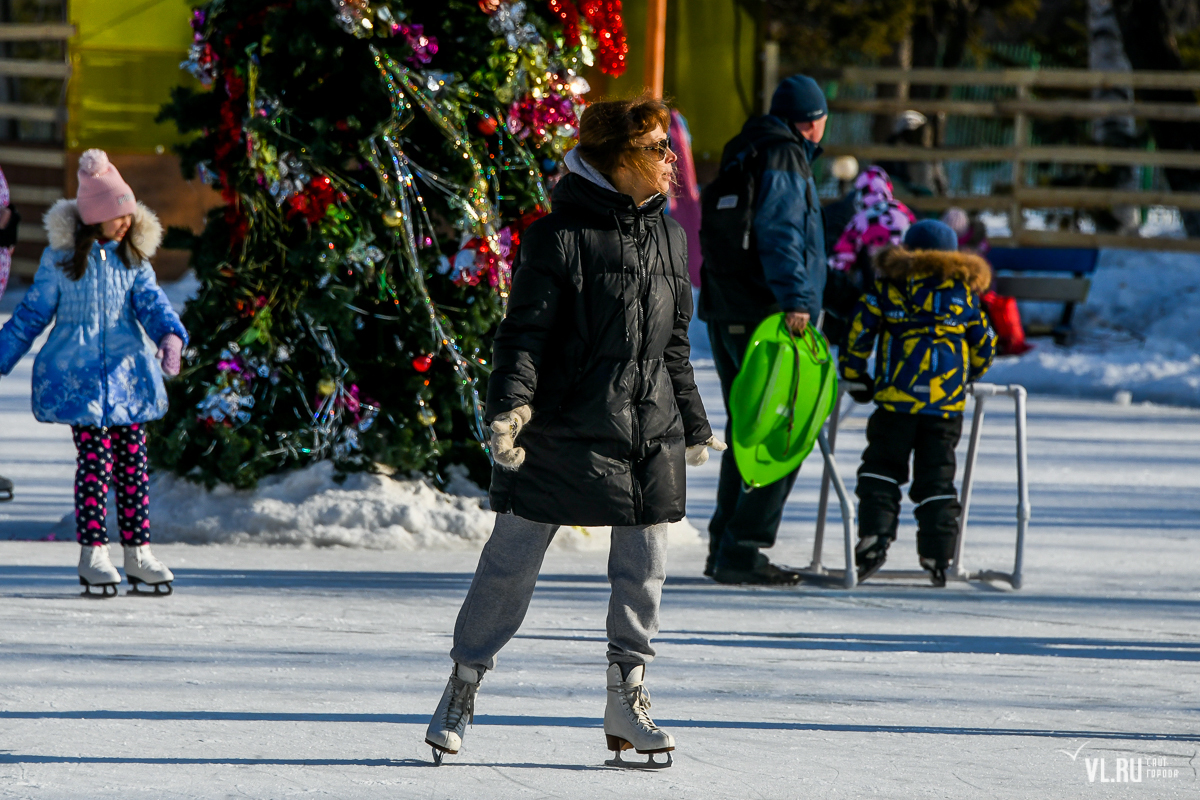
(103, 194)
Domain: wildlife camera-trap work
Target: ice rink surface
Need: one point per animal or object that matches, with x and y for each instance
(289, 672)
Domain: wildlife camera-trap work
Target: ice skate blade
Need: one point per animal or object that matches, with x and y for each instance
(134, 583)
(649, 763)
(107, 590)
(439, 752)
(870, 571)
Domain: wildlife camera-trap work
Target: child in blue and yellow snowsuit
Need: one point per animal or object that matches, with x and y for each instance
(924, 321)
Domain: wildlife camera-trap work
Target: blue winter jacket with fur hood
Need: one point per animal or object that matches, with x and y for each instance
(98, 367)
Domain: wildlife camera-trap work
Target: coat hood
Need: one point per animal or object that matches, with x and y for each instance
(63, 217)
(577, 165)
(897, 263)
(760, 132)
(874, 188)
(575, 189)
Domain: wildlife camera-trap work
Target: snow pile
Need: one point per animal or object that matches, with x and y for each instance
(1139, 332)
(309, 508)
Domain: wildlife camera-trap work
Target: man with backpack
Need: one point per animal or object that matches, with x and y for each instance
(763, 242)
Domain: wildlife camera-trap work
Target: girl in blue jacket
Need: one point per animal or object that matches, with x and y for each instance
(97, 371)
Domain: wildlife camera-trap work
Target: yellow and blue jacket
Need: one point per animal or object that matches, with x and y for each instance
(924, 320)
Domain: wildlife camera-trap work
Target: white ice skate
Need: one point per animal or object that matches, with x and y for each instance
(96, 569)
(141, 567)
(627, 723)
(456, 710)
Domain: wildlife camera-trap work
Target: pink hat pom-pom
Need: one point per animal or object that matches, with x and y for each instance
(94, 162)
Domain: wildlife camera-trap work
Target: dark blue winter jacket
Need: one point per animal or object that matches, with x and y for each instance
(789, 233)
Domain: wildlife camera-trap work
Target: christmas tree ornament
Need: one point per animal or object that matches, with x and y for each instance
(393, 217)
(422, 363)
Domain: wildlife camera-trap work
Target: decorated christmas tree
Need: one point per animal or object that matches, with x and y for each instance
(379, 161)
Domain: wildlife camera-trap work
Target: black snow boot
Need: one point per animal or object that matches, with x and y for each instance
(763, 573)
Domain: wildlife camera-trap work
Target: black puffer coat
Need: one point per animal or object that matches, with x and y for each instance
(595, 340)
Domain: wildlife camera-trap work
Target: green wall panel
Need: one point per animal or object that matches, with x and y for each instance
(125, 61)
(699, 74)
(132, 24)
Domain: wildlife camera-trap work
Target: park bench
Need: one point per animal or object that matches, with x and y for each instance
(1045, 274)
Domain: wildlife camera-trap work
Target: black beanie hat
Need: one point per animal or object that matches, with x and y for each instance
(929, 234)
(799, 99)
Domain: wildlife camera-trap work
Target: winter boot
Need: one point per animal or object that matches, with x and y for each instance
(763, 573)
(627, 723)
(870, 555)
(96, 569)
(456, 710)
(141, 567)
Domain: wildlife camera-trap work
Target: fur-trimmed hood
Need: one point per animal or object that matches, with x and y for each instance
(897, 263)
(63, 217)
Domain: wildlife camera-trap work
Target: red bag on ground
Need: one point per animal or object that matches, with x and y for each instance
(1006, 319)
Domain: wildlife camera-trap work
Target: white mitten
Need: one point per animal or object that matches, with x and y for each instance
(697, 454)
(505, 428)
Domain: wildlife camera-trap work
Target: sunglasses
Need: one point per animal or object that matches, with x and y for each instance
(660, 148)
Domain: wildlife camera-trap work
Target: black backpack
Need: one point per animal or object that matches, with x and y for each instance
(727, 239)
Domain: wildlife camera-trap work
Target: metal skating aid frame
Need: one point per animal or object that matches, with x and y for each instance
(848, 578)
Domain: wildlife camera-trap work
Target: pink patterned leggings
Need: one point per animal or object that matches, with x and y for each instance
(99, 453)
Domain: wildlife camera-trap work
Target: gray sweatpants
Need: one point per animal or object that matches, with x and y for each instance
(508, 568)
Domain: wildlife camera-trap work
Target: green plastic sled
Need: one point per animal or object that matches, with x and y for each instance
(779, 400)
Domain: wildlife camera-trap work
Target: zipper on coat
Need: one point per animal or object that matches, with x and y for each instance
(637, 368)
(103, 339)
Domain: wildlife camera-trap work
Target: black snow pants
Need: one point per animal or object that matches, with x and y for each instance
(745, 519)
(891, 439)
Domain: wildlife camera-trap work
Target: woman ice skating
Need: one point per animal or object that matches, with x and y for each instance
(10, 221)
(594, 411)
(97, 371)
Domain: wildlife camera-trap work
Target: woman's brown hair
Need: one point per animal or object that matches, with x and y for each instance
(608, 128)
(86, 236)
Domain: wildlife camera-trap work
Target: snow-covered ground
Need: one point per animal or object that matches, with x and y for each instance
(311, 671)
(1138, 332)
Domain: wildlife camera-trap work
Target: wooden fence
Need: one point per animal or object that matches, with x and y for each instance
(1021, 109)
(35, 170)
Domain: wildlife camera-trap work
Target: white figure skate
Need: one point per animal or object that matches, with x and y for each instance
(96, 569)
(141, 567)
(627, 723)
(456, 710)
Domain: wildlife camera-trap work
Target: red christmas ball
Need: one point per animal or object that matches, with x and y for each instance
(422, 363)
(487, 126)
